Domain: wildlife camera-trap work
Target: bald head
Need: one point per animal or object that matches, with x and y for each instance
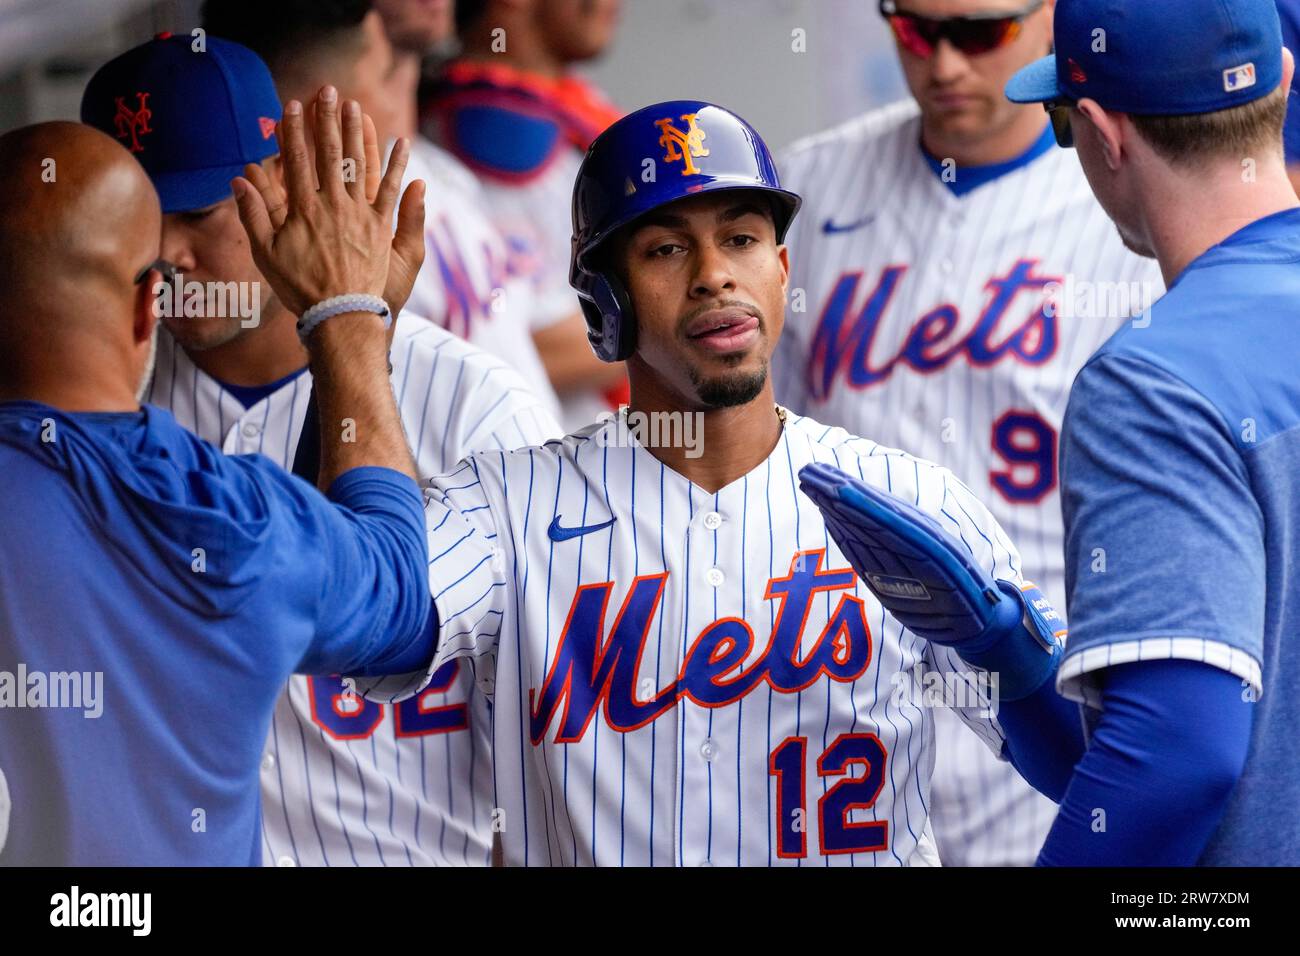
(79, 220)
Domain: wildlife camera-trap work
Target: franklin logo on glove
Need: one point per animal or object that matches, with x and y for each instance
(908, 589)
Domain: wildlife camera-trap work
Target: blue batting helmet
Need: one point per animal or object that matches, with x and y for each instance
(646, 160)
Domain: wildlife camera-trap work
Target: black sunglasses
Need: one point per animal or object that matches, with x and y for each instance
(1059, 111)
(973, 34)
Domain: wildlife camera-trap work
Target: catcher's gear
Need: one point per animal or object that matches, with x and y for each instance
(930, 583)
(646, 160)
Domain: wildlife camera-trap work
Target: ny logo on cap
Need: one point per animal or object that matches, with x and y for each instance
(682, 145)
(1239, 78)
(133, 122)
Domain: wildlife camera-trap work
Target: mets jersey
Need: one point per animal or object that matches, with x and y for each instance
(472, 283)
(347, 782)
(952, 326)
(682, 677)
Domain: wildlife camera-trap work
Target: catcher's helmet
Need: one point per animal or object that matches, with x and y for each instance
(646, 160)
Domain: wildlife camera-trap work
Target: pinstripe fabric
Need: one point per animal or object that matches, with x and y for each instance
(333, 794)
(874, 209)
(685, 779)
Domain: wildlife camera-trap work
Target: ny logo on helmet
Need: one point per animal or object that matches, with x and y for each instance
(133, 122)
(682, 145)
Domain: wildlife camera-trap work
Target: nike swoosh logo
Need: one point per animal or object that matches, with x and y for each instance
(556, 533)
(830, 227)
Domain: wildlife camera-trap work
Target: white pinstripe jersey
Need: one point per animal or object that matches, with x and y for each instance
(682, 677)
(472, 283)
(924, 326)
(344, 781)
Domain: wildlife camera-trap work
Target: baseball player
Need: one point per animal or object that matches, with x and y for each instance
(1181, 442)
(951, 273)
(473, 284)
(155, 593)
(520, 118)
(344, 782)
(684, 667)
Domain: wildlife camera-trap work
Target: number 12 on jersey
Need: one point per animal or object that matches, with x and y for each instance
(836, 833)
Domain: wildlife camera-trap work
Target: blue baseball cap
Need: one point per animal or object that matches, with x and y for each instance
(1158, 57)
(193, 118)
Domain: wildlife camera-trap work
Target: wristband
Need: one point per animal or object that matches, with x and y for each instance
(339, 305)
(1023, 646)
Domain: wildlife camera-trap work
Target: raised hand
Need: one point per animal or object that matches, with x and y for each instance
(312, 242)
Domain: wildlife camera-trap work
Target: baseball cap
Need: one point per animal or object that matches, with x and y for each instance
(1158, 57)
(193, 118)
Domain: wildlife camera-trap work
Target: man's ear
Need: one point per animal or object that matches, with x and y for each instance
(145, 315)
(1288, 68)
(1109, 128)
(783, 253)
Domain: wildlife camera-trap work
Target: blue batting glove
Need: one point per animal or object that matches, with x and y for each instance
(931, 584)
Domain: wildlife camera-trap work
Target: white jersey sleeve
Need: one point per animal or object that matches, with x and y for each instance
(467, 579)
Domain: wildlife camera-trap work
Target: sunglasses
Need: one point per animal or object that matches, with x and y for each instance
(972, 35)
(1059, 111)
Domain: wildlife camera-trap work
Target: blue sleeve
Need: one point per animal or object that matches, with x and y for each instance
(1044, 734)
(1164, 538)
(375, 602)
(1164, 757)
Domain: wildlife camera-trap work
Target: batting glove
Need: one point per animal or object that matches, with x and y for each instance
(931, 584)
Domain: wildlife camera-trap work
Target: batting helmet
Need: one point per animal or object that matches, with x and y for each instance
(646, 160)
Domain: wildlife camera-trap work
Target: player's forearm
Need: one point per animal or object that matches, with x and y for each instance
(358, 414)
(1045, 739)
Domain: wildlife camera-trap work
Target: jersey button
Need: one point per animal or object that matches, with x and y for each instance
(251, 430)
(268, 761)
(945, 266)
(715, 577)
(712, 520)
(709, 749)
(285, 861)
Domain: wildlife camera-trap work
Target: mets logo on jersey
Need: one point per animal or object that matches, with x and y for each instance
(684, 146)
(846, 339)
(593, 669)
(133, 123)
